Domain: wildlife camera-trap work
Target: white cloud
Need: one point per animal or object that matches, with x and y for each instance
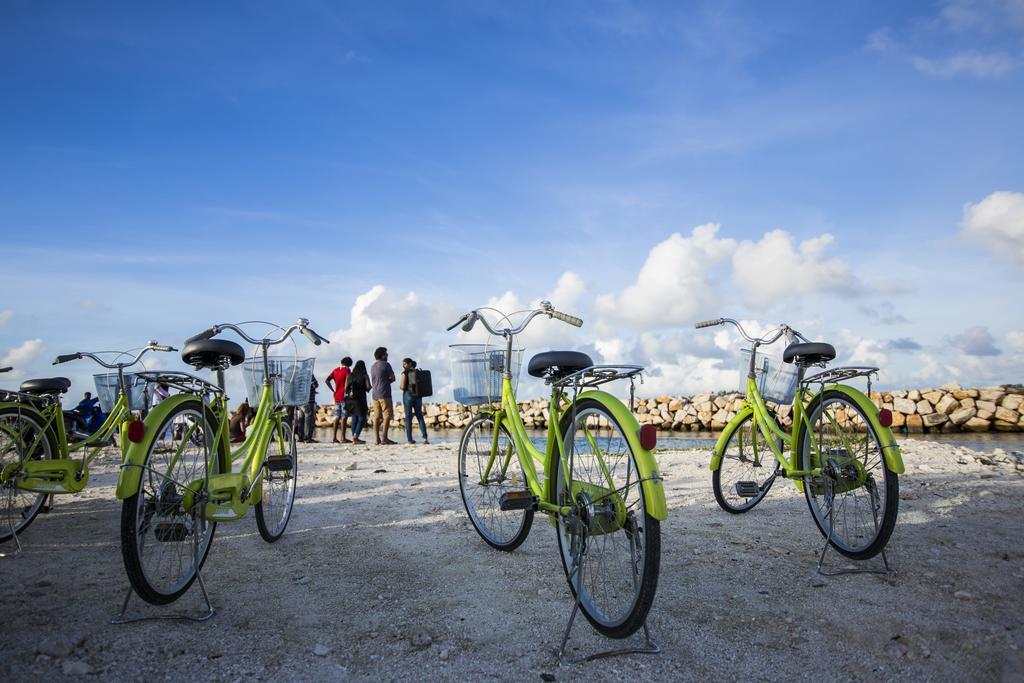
(855, 349)
(997, 221)
(22, 356)
(5, 318)
(1015, 340)
(968, 63)
(773, 269)
(673, 286)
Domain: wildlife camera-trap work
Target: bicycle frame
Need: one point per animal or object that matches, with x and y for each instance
(61, 474)
(529, 455)
(770, 429)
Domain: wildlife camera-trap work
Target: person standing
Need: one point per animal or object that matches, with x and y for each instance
(382, 376)
(336, 382)
(307, 421)
(355, 399)
(411, 401)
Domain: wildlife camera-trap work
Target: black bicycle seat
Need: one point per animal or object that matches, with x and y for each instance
(810, 353)
(208, 353)
(46, 385)
(558, 363)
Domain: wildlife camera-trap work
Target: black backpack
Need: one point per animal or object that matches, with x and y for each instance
(423, 386)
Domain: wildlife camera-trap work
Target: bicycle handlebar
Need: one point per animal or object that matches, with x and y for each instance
(302, 326)
(769, 338)
(470, 319)
(151, 346)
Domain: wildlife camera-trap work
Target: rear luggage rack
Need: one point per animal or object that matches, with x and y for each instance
(596, 375)
(836, 375)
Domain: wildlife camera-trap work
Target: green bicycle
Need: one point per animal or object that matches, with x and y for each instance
(841, 453)
(182, 477)
(597, 479)
(36, 456)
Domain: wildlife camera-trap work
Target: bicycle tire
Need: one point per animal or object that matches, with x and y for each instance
(288, 478)
(501, 529)
(12, 498)
(175, 526)
(734, 456)
(638, 526)
(882, 524)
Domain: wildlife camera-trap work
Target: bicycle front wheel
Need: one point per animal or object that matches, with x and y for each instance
(164, 537)
(747, 471)
(610, 546)
(483, 479)
(280, 472)
(22, 438)
(854, 500)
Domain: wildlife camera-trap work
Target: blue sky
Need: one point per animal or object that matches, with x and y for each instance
(381, 168)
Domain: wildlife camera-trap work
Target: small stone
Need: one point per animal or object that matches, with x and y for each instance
(75, 667)
(56, 647)
(353, 466)
(380, 471)
(896, 647)
(301, 581)
(547, 677)
(421, 639)
(445, 653)
(321, 650)
(963, 595)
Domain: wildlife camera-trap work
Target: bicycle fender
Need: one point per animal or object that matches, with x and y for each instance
(654, 491)
(890, 449)
(135, 456)
(723, 438)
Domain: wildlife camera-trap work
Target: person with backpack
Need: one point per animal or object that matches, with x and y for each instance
(337, 382)
(412, 401)
(355, 399)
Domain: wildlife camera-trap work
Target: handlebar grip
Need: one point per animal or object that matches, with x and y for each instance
(310, 335)
(164, 347)
(709, 323)
(566, 318)
(65, 358)
(205, 334)
(456, 324)
(6, 369)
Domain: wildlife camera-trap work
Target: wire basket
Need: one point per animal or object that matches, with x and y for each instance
(477, 370)
(291, 378)
(107, 391)
(776, 381)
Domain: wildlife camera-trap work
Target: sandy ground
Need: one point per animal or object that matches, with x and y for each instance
(379, 577)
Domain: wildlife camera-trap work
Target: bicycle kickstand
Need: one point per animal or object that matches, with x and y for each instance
(649, 647)
(830, 501)
(14, 534)
(122, 619)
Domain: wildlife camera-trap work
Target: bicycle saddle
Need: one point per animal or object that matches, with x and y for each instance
(558, 363)
(207, 353)
(46, 385)
(810, 353)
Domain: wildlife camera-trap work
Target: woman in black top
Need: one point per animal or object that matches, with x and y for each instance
(355, 399)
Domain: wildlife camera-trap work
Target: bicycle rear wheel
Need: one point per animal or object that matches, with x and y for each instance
(610, 533)
(22, 438)
(747, 471)
(854, 501)
(482, 489)
(280, 472)
(164, 537)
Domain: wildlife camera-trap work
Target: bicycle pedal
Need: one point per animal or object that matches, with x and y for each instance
(170, 532)
(279, 463)
(747, 489)
(517, 500)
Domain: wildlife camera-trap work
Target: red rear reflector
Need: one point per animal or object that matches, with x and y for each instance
(885, 417)
(136, 430)
(648, 437)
